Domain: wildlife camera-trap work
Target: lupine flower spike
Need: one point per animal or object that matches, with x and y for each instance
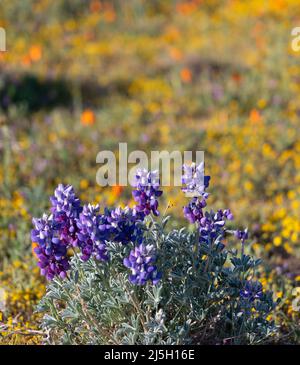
(141, 262)
(147, 191)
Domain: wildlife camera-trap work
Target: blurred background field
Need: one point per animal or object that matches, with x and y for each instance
(81, 76)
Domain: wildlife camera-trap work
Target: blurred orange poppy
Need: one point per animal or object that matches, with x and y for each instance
(187, 7)
(117, 190)
(88, 117)
(186, 75)
(95, 6)
(35, 53)
(255, 116)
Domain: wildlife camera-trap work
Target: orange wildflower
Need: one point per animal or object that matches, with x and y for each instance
(255, 116)
(95, 6)
(117, 190)
(186, 75)
(35, 53)
(88, 117)
(186, 8)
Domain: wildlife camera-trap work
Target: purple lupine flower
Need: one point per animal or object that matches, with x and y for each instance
(54, 234)
(241, 235)
(212, 225)
(94, 230)
(195, 185)
(228, 215)
(123, 222)
(194, 179)
(194, 210)
(141, 263)
(251, 291)
(105, 228)
(65, 201)
(92, 234)
(147, 191)
(66, 208)
(51, 250)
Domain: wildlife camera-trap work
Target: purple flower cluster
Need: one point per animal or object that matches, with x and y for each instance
(66, 208)
(141, 262)
(92, 233)
(194, 179)
(118, 225)
(210, 224)
(124, 225)
(195, 184)
(54, 234)
(242, 235)
(71, 225)
(146, 192)
(51, 250)
(251, 291)
(194, 210)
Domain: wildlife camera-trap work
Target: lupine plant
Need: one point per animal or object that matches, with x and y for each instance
(122, 277)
